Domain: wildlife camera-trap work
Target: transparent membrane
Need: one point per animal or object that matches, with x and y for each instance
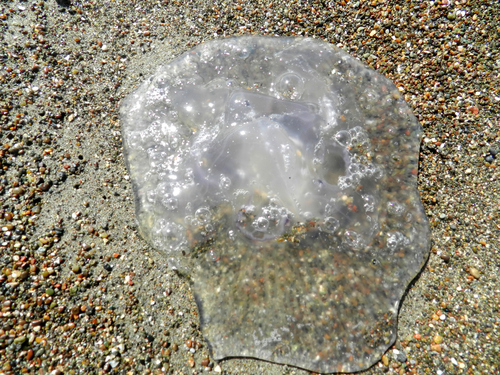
(279, 174)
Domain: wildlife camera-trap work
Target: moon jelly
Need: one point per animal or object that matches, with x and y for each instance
(280, 174)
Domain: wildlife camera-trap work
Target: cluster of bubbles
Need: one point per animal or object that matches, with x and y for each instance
(290, 86)
(356, 173)
(396, 208)
(354, 239)
(359, 166)
(264, 223)
(352, 137)
(168, 236)
(396, 239)
(203, 219)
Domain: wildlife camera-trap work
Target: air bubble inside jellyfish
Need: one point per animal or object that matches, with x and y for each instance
(278, 173)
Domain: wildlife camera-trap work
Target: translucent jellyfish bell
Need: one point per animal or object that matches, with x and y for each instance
(279, 174)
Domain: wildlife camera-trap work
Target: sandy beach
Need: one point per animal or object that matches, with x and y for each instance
(82, 293)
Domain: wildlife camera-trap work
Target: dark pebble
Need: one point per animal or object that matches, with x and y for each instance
(75, 310)
(36, 322)
(445, 257)
(107, 267)
(401, 357)
(45, 186)
(90, 311)
(62, 176)
(64, 3)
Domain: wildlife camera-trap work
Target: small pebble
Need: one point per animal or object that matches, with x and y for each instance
(474, 272)
(436, 348)
(20, 339)
(385, 360)
(75, 310)
(445, 257)
(401, 357)
(18, 191)
(205, 362)
(45, 186)
(437, 339)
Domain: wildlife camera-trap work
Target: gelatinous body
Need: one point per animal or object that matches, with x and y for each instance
(280, 174)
